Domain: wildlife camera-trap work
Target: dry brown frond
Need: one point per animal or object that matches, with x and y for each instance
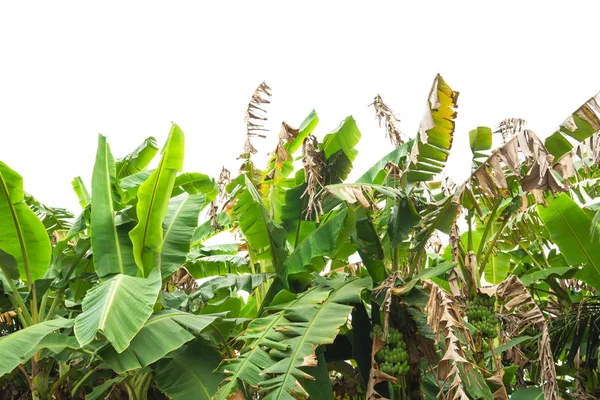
(286, 135)
(376, 375)
(183, 281)
(510, 127)
(490, 176)
(7, 317)
(256, 117)
(444, 318)
(221, 200)
(391, 121)
(314, 163)
(522, 312)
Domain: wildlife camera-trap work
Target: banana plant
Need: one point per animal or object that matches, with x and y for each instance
(298, 282)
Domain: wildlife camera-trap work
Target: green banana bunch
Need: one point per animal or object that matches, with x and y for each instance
(393, 357)
(480, 313)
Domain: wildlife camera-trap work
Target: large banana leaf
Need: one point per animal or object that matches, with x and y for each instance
(580, 125)
(189, 373)
(153, 201)
(138, 159)
(118, 308)
(320, 242)
(179, 226)
(112, 248)
(163, 333)
(19, 346)
(434, 141)
(290, 336)
(22, 234)
(569, 227)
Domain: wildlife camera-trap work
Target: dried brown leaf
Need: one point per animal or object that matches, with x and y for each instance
(391, 121)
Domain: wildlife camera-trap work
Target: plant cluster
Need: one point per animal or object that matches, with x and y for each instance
(278, 282)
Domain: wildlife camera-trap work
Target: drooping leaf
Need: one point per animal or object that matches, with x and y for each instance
(320, 242)
(99, 390)
(231, 282)
(580, 125)
(164, 332)
(53, 218)
(179, 225)
(266, 239)
(189, 373)
(569, 227)
(376, 174)
(118, 308)
(195, 182)
(290, 335)
(112, 248)
(22, 234)
(153, 202)
(220, 264)
(131, 184)
(19, 346)
(137, 160)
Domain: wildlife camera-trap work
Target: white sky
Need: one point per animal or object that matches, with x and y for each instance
(71, 70)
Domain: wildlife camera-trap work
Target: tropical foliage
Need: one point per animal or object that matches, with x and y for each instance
(292, 281)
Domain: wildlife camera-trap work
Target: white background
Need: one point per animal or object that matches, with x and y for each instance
(71, 70)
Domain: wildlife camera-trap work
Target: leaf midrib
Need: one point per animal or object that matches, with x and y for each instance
(112, 210)
(110, 300)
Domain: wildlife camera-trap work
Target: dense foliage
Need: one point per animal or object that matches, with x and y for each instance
(297, 283)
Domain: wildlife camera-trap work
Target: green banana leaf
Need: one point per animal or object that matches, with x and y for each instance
(118, 308)
(153, 202)
(339, 149)
(112, 248)
(580, 125)
(219, 264)
(179, 225)
(195, 182)
(290, 335)
(81, 191)
(22, 234)
(189, 373)
(266, 239)
(569, 227)
(137, 160)
(164, 332)
(21, 345)
(377, 173)
(320, 242)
